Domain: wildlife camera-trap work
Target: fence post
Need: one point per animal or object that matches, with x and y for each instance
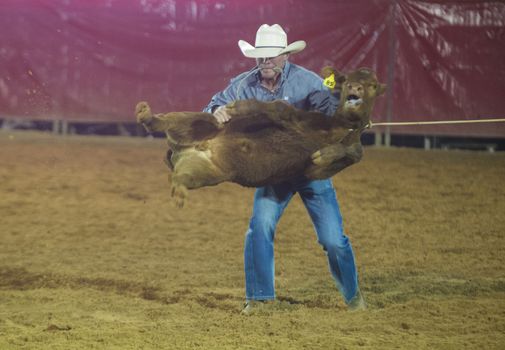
(64, 127)
(56, 126)
(378, 138)
(391, 70)
(427, 143)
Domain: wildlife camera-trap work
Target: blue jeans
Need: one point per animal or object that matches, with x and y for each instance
(321, 202)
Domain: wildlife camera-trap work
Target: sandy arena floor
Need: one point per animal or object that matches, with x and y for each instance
(93, 255)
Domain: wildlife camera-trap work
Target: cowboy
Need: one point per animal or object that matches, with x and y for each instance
(275, 78)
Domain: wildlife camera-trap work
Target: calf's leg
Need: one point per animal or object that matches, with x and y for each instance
(332, 159)
(181, 128)
(193, 169)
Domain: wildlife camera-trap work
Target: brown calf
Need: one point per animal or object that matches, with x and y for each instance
(265, 142)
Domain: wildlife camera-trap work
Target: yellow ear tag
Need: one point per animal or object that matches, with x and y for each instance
(330, 81)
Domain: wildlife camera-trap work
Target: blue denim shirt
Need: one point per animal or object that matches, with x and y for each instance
(298, 86)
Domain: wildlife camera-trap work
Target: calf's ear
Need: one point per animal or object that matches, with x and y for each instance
(339, 81)
(335, 82)
(328, 74)
(381, 88)
(327, 71)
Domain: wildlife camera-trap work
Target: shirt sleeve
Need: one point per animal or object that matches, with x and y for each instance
(221, 98)
(323, 101)
(229, 94)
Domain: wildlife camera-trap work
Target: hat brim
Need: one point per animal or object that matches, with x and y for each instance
(252, 52)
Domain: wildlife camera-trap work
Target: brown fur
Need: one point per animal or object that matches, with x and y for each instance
(264, 142)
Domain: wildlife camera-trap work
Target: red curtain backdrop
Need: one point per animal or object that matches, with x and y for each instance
(92, 60)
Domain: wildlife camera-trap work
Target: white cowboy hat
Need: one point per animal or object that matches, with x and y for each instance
(271, 41)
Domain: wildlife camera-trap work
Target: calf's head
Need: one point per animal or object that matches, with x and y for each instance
(359, 91)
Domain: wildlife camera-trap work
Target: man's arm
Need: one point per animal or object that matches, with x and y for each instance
(322, 100)
(222, 98)
(217, 105)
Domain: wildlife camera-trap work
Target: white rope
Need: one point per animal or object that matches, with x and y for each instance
(438, 122)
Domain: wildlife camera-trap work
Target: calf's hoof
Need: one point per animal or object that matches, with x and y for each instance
(328, 155)
(143, 113)
(316, 157)
(179, 194)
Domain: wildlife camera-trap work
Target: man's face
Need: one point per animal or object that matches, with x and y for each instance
(267, 65)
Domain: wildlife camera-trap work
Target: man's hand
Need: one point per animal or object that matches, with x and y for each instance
(221, 114)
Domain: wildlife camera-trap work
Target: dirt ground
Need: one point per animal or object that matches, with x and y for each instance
(93, 254)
